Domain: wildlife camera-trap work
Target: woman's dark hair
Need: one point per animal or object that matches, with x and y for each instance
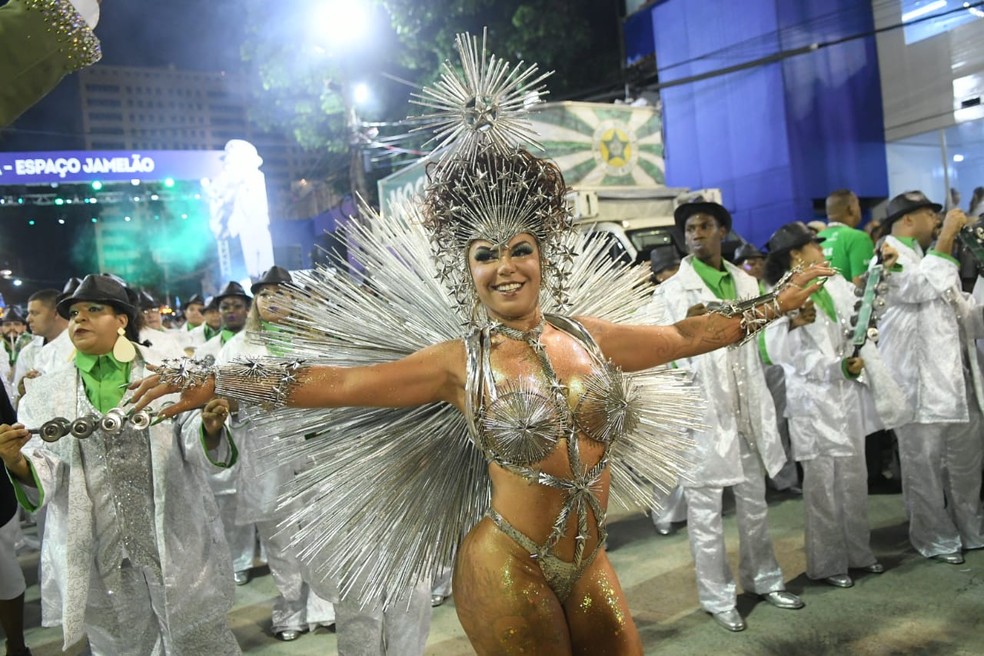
(132, 327)
(777, 264)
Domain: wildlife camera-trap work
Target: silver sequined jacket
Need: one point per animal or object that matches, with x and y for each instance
(194, 558)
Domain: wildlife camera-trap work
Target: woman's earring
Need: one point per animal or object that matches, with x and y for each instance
(123, 349)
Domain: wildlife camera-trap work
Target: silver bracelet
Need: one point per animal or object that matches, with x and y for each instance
(264, 382)
(751, 311)
(186, 372)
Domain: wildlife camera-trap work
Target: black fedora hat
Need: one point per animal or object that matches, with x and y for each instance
(699, 206)
(211, 304)
(147, 301)
(232, 288)
(12, 316)
(195, 299)
(275, 275)
(790, 236)
(70, 286)
(102, 288)
(747, 252)
(663, 258)
(906, 203)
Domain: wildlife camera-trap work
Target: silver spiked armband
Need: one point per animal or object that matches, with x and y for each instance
(264, 382)
(758, 312)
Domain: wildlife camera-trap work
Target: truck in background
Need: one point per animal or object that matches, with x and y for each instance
(612, 158)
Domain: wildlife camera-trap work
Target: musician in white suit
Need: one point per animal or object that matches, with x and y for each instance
(740, 443)
(927, 341)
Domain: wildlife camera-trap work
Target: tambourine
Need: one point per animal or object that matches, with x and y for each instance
(112, 423)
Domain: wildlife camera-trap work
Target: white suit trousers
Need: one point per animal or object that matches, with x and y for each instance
(241, 539)
(399, 631)
(758, 569)
(297, 608)
(835, 499)
(941, 477)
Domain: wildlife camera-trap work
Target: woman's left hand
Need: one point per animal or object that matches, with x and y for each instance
(801, 285)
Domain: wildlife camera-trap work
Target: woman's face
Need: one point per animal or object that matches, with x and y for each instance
(809, 254)
(507, 277)
(94, 327)
(271, 304)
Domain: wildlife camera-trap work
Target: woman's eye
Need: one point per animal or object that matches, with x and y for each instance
(522, 250)
(484, 255)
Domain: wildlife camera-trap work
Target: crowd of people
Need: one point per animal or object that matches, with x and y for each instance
(830, 401)
(144, 506)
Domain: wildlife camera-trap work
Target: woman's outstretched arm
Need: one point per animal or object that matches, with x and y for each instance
(430, 375)
(633, 348)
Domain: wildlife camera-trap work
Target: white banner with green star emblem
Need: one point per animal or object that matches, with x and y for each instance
(601, 145)
(594, 144)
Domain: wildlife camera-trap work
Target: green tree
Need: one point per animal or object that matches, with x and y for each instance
(300, 83)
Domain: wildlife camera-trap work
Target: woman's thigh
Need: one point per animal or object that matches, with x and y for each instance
(598, 614)
(502, 599)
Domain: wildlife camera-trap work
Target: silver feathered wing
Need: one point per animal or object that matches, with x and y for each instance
(390, 492)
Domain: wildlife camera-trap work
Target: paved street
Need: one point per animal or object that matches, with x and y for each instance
(916, 607)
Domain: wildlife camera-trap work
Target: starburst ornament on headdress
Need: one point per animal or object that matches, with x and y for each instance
(484, 106)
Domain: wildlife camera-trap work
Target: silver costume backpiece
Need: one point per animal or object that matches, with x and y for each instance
(391, 492)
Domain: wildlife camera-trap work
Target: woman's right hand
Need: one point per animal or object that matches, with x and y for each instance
(151, 388)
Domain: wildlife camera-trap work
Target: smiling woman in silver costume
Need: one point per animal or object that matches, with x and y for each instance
(546, 398)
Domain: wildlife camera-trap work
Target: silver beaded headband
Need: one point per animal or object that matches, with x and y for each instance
(484, 184)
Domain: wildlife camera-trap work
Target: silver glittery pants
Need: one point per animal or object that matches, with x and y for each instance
(758, 569)
(399, 631)
(241, 539)
(835, 501)
(127, 615)
(941, 478)
(674, 507)
(297, 608)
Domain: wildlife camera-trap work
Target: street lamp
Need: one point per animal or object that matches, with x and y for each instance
(341, 23)
(361, 94)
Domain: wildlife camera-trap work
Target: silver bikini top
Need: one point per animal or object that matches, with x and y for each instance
(518, 424)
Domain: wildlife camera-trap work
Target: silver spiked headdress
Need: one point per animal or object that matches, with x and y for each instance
(484, 184)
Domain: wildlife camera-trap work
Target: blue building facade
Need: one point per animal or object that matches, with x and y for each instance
(751, 106)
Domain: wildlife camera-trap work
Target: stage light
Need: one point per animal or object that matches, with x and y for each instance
(168, 182)
(96, 185)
